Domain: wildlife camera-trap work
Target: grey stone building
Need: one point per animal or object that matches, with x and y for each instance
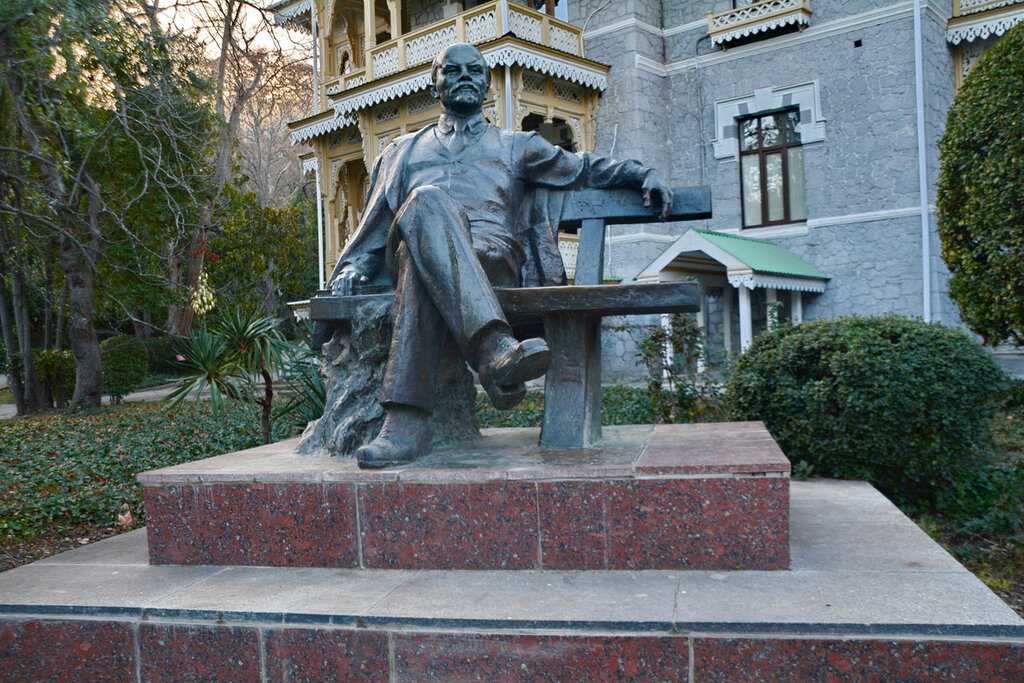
(814, 122)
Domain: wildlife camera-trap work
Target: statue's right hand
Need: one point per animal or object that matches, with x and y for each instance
(348, 278)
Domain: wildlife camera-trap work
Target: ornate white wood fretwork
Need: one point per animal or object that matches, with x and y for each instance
(984, 27)
(524, 26)
(421, 101)
(752, 280)
(534, 82)
(563, 40)
(975, 6)
(295, 15)
(426, 47)
(508, 55)
(567, 91)
(386, 112)
(315, 129)
(757, 17)
(971, 52)
(385, 62)
(481, 27)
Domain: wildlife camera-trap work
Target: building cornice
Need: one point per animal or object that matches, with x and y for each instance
(637, 25)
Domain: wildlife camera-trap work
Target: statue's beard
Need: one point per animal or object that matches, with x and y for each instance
(464, 100)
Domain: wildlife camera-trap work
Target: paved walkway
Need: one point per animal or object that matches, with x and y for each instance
(8, 411)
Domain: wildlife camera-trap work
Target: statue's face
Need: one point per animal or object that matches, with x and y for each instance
(462, 79)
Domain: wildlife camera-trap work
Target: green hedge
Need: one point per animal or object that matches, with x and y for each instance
(895, 401)
(620, 405)
(125, 365)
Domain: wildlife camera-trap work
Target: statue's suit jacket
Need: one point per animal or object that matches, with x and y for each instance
(535, 224)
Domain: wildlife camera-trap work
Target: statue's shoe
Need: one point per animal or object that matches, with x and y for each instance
(511, 364)
(504, 397)
(383, 452)
(516, 362)
(404, 436)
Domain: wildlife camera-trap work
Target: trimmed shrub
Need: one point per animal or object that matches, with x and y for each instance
(895, 401)
(125, 364)
(981, 193)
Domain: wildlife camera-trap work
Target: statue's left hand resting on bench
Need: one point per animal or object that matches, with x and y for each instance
(448, 216)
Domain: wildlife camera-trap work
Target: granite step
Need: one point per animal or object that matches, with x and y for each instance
(868, 595)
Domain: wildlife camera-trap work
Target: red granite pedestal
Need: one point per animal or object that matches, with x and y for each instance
(712, 496)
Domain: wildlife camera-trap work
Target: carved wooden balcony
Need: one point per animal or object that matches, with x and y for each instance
(478, 25)
(758, 17)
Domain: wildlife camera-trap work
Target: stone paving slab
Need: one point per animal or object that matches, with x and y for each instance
(740, 448)
(861, 583)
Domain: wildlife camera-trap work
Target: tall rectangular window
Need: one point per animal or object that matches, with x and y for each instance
(772, 169)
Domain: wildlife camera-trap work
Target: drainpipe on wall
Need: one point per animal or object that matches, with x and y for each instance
(319, 228)
(922, 165)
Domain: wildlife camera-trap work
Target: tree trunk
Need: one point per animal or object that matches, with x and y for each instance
(62, 307)
(12, 354)
(33, 390)
(79, 262)
(47, 305)
(267, 403)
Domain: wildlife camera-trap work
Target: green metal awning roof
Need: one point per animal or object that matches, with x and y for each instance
(762, 256)
(744, 261)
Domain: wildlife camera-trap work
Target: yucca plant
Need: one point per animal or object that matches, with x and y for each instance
(231, 361)
(302, 373)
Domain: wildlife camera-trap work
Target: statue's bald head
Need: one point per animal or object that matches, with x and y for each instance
(461, 79)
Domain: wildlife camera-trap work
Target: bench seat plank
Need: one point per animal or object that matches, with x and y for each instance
(599, 300)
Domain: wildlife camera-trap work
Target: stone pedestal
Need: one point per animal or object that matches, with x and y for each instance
(868, 596)
(712, 496)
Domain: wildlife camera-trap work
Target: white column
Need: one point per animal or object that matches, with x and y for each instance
(395, 12)
(728, 301)
(770, 297)
(798, 307)
(319, 227)
(509, 123)
(746, 319)
(370, 23)
(702, 323)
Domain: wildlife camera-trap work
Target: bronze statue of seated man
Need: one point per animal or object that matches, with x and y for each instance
(448, 215)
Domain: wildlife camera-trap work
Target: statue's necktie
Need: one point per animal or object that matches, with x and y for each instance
(456, 142)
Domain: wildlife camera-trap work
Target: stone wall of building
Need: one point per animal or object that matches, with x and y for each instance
(863, 192)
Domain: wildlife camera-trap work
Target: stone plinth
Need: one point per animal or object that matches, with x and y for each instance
(712, 496)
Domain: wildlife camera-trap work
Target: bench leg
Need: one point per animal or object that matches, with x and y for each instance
(572, 386)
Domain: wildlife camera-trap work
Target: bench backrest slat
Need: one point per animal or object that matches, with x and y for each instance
(619, 207)
(593, 210)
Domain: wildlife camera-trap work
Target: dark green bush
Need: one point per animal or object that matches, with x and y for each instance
(895, 401)
(162, 351)
(56, 372)
(620, 405)
(125, 364)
